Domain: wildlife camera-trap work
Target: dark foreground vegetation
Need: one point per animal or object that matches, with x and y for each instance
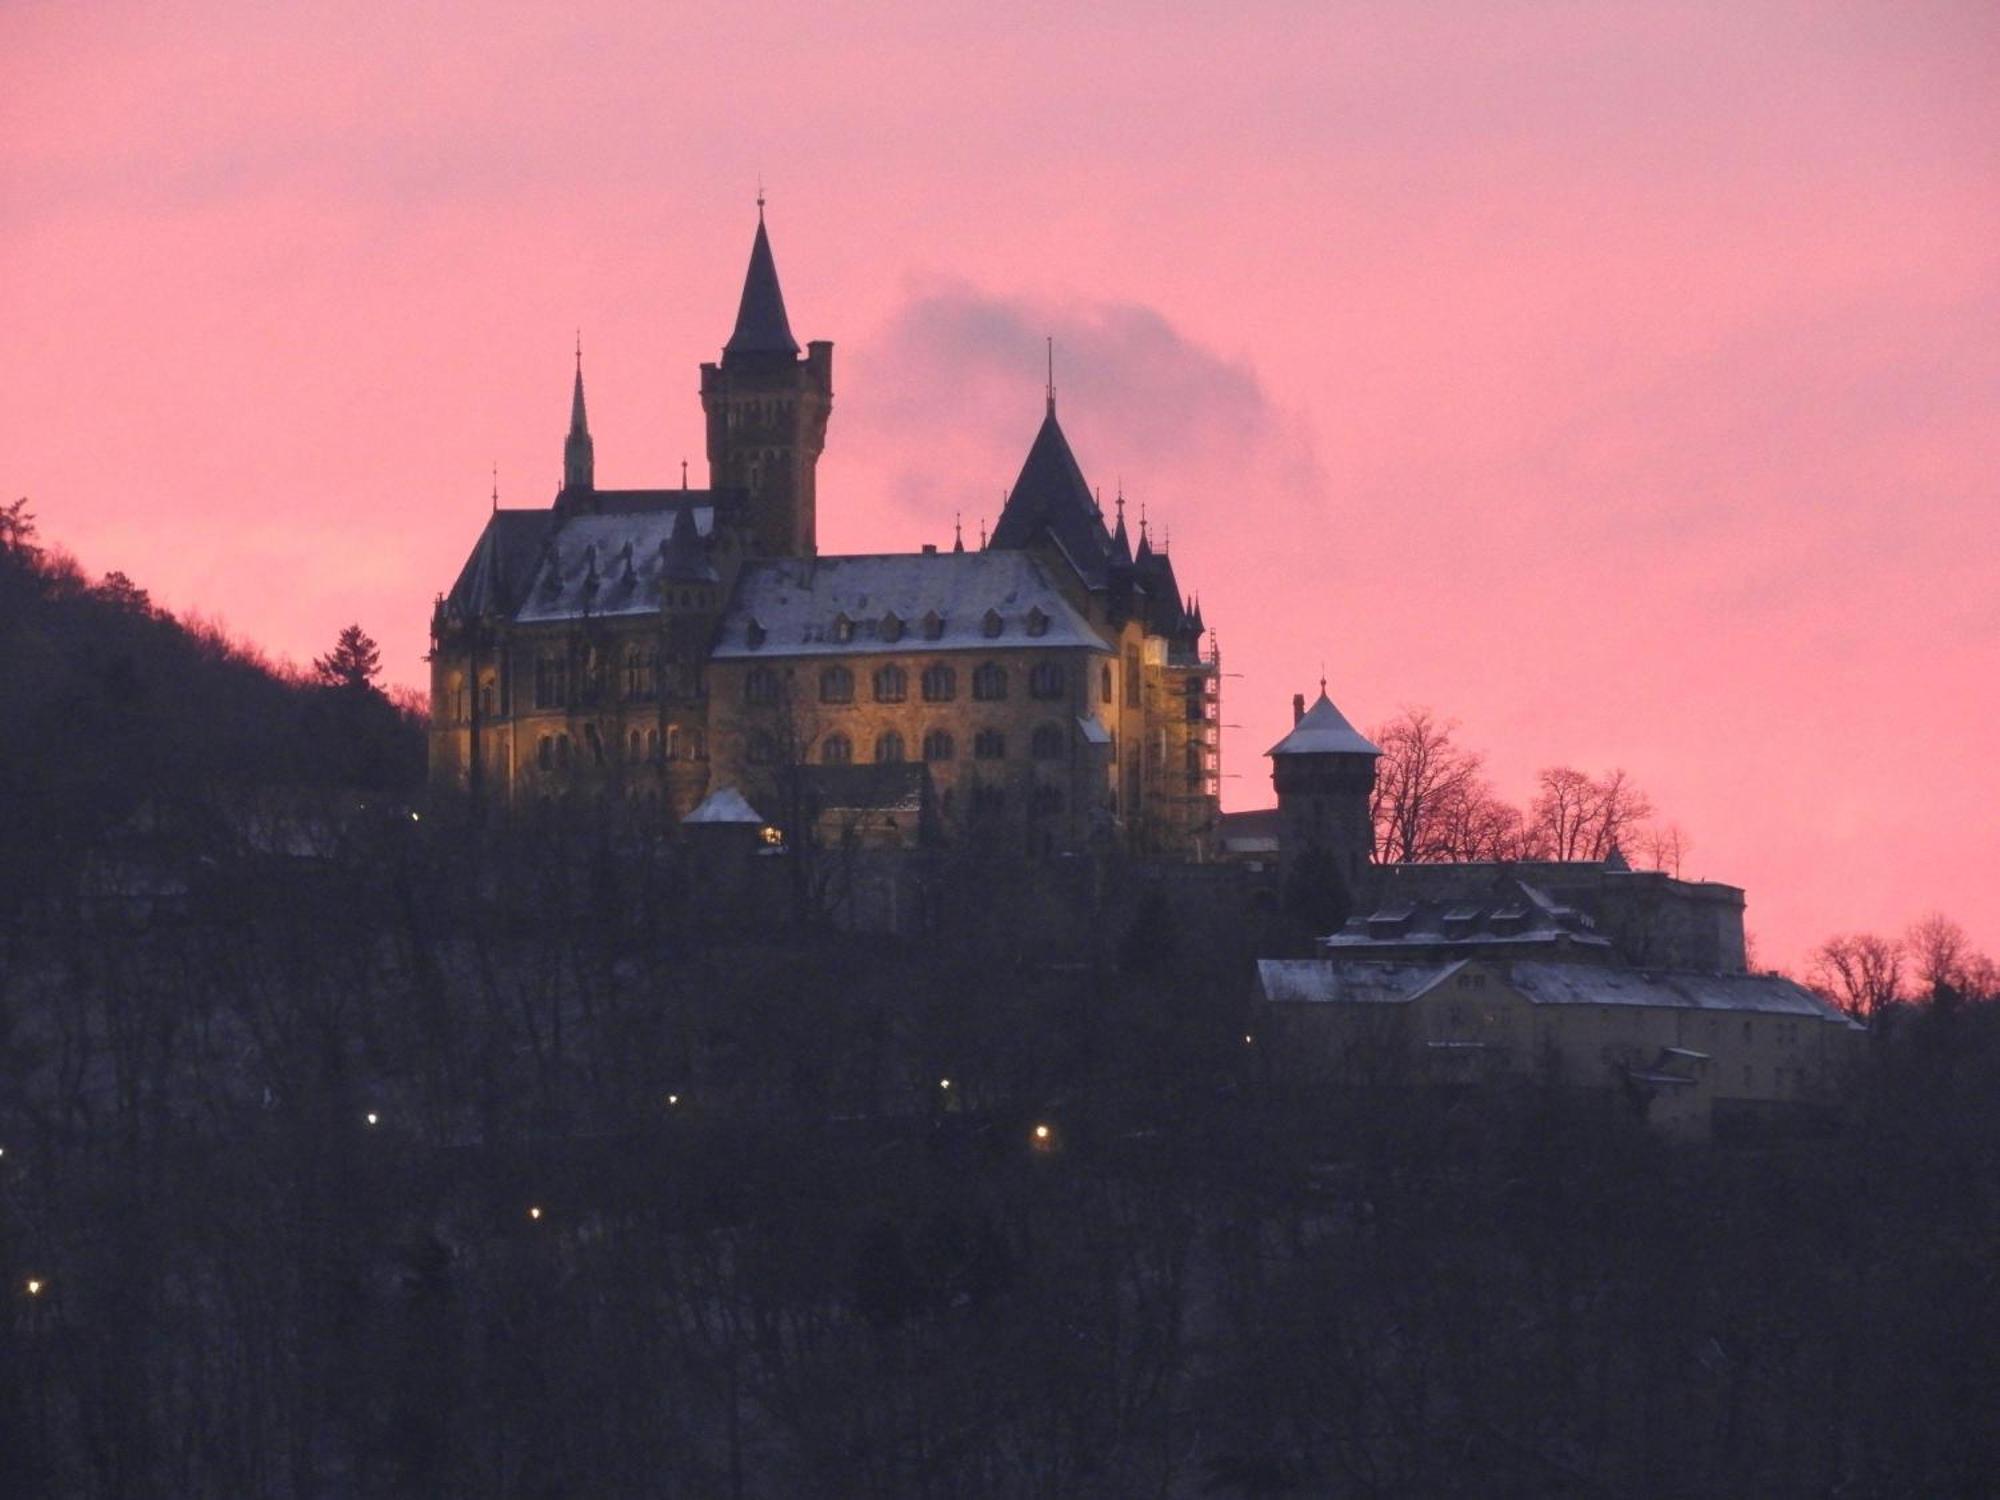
(418, 1162)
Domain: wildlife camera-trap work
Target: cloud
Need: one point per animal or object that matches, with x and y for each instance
(950, 392)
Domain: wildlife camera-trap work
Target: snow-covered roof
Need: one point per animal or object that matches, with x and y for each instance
(611, 564)
(1323, 730)
(1584, 984)
(724, 805)
(1367, 981)
(1322, 981)
(1093, 732)
(903, 602)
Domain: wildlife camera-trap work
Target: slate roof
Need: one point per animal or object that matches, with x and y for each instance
(1509, 914)
(761, 325)
(1575, 984)
(1350, 981)
(496, 574)
(1320, 981)
(613, 564)
(1323, 731)
(724, 805)
(1051, 497)
(895, 787)
(798, 605)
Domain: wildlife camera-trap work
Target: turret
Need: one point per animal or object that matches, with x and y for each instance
(1324, 773)
(767, 410)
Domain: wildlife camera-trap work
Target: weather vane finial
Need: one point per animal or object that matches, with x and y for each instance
(1052, 374)
(496, 484)
(760, 197)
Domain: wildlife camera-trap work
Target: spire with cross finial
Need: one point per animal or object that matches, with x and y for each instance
(579, 455)
(957, 532)
(1052, 374)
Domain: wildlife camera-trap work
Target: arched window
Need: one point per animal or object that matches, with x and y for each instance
(545, 752)
(653, 745)
(938, 745)
(1104, 689)
(595, 742)
(638, 675)
(836, 750)
(992, 625)
(486, 699)
(760, 749)
(940, 684)
(989, 744)
(888, 747)
(1046, 743)
(989, 682)
(1048, 680)
(836, 685)
(1048, 801)
(562, 749)
(672, 748)
(634, 746)
(697, 745)
(760, 686)
(892, 685)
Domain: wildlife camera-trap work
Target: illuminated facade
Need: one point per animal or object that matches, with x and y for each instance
(640, 649)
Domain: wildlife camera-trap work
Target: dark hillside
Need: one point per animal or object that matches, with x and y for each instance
(115, 713)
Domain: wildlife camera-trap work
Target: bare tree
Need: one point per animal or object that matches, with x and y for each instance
(1577, 816)
(1859, 972)
(1664, 846)
(1424, 786)
(1938, 952)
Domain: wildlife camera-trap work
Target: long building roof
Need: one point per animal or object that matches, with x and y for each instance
(898, 602)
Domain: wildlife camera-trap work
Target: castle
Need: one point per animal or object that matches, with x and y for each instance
(642, 651)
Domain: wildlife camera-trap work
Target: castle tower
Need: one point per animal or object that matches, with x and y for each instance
(767, 411)
(1324, 772)
(579, 456)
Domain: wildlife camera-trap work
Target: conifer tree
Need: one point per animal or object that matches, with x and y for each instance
(355, 661)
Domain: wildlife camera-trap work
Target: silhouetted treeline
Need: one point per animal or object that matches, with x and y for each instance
(117, 719)
(460, 1164)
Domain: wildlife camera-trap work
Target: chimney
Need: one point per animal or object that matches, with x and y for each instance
(930, 549)
(1298, 707)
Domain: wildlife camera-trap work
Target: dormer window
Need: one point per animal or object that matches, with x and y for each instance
(933, 626)
(892, 626)
(992, 625)
(753, 634)
(1038, 623)
(843, 627)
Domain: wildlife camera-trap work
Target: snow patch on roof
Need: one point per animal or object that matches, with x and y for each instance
(797, 602)
(724, 805)
(1323, 731)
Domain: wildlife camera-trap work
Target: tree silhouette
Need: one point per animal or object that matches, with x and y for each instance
(355, 661)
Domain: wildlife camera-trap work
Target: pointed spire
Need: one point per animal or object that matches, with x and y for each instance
(1121, 544)
(579, 455)
(957, 532)
(761, 325)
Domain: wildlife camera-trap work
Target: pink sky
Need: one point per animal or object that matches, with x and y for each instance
(1621, 381)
